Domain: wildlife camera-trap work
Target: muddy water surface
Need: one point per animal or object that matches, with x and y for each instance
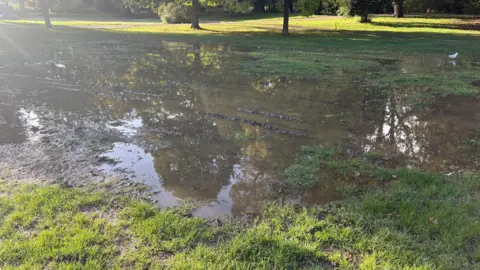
(181, 118)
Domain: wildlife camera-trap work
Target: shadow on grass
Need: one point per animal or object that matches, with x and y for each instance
(472, 25)
(303, 39)
(224, 17)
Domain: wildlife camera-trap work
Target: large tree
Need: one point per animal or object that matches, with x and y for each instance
(21, 5)
(195, 23)
(45, 9)
(398, 8)
(286, 14)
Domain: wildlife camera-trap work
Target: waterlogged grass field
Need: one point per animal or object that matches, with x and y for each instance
(410, 53)
(411, 220)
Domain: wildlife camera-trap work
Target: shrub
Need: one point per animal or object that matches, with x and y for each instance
(308, 7)
(237, 7)
(343, 11)
(363, 8)
(173, 12)
(343, 8)
(472, 7)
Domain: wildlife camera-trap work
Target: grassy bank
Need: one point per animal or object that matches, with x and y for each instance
(422, 221)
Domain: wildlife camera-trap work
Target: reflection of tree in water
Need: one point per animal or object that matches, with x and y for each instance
(191, 79)
(425, 136)
(391, 125)
(200, 161)
(135, 66)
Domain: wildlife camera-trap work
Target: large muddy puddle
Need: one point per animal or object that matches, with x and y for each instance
(182, 119)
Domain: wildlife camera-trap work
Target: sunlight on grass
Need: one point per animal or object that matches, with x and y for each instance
(423, 221)
(299, 24)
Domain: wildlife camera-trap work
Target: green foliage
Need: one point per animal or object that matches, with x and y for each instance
(327, 7)
(475, 142)
(174, 12)
(237, 7)
(344, 9)
(309, 7)
(443, 6)
(363, 8)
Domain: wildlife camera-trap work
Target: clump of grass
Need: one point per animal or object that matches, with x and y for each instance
(347, 190)
(475, 142)
(317, 164)
(243, 136)
(373, 156)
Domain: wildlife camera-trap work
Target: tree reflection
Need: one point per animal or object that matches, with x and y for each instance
(170, 87)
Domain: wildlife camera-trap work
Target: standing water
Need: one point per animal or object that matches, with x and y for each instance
(180, 118)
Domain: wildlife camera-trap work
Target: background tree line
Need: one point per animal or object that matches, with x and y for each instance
(236, 7)
(187, 11)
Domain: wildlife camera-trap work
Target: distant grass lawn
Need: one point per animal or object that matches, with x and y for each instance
(216, 25)
(423, 221)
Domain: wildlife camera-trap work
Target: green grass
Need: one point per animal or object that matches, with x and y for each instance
(422, 221)
(61, 228)
(318, 164)
(475, 142)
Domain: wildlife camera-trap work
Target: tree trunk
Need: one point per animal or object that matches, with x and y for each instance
(259, 6)
(398, 9)
(364, 17)
(195, 23)
(285, 17)
(46, 13)
(21, 4)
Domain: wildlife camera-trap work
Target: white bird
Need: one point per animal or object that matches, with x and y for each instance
(453, 56)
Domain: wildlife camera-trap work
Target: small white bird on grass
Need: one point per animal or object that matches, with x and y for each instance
(453, 56)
